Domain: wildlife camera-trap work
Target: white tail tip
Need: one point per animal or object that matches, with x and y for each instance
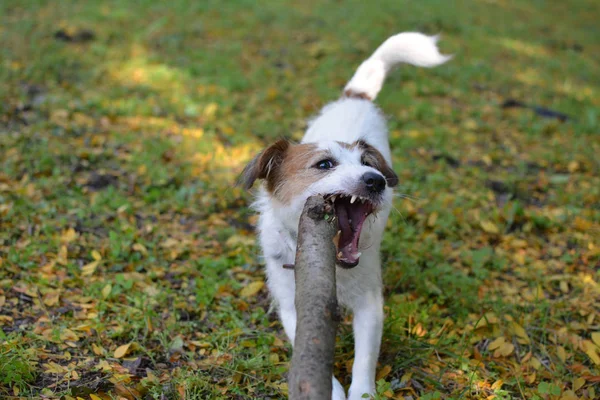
(408, 48)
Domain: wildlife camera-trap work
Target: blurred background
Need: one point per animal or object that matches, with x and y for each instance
(128, 262)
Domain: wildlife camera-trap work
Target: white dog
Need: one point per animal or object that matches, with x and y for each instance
(344, 154)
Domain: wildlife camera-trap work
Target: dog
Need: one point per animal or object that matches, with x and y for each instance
(345, 156)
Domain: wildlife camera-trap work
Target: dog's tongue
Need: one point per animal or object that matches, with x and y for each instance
(351, 218)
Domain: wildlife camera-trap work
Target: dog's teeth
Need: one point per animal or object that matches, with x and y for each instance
(353, 199)
(357, 255)
(333, 198)
(340, 255)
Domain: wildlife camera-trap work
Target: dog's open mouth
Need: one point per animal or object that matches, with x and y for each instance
(351, 212)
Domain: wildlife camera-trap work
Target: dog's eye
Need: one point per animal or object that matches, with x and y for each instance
(325, 164)
(366, 164)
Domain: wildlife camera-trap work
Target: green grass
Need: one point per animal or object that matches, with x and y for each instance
(120, 223)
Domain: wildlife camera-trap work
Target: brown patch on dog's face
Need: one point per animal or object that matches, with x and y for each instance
(265, 164)
(288, 169)
(373, 158)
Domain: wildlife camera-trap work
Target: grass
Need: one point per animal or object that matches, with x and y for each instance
(129, 266)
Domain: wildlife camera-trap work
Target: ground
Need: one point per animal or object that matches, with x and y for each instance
(129, 265)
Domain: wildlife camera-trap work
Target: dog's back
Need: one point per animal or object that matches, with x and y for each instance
(354, 117)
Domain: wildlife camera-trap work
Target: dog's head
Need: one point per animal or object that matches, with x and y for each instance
(354, 176)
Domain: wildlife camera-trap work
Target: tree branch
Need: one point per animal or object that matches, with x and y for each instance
(316, 304)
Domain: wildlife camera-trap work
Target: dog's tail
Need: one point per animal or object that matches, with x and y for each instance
(407, 47)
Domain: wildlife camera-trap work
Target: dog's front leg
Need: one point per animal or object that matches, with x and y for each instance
(368, 327)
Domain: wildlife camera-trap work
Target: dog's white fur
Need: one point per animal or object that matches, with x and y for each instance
(352, 118)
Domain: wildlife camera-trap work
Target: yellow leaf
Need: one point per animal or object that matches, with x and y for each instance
(89, 269)
(140, 247)
(520, 332)
(497, 343)
(94, 397)
(98, 350)
(562, 354)
(498, 384)
(582, 225)
(489, 226)
(252, 289)
(273, 358)
(487, 160)
(68, 236)
(68, 335)
(96, 255)
(51, 299)
(121, 351)
(569, 395)
(432, 219)
(591, 350)
(383, 372)
(596, 338)
(505, 350)
(573, 166)
(106, 291)
(62, 256)
(578, 383)
(54, 368)
(2, 300)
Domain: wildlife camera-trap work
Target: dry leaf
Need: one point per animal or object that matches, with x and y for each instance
(578, 383)
(89, 269)
(596, 338)
(106, 291)
(96, 255)
(590, 349)
(496, 343)
(68, 236)
(489, 227)
(252, 289)
(520, 332)
(68, 335)
(122, 351)
(383, 372)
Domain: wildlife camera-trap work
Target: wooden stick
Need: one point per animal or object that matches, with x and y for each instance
(316, 304)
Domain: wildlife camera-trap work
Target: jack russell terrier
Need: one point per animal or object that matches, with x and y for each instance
(345, 156)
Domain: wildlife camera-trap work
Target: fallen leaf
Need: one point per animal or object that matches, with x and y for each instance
(68, 236)
(590, 349)
(596, 338)
(252, 289)
(496, 343)
(122, 351)
(578, 383)
(106, 291)
(489, 227)
(383, 372)
(89, 269)
(520, 332)
(96, 255)
(68, 335)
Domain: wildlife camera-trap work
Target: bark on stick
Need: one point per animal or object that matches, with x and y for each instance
(316, 304)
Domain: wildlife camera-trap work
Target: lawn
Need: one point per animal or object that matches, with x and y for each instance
(128, 261)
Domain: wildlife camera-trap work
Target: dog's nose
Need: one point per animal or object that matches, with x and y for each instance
(375, 182)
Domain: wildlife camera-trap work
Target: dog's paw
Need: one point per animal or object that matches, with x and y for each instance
(338, 392)
(357, 392)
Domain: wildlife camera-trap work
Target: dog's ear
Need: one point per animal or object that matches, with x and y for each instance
(264, 165)
(371, 156)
